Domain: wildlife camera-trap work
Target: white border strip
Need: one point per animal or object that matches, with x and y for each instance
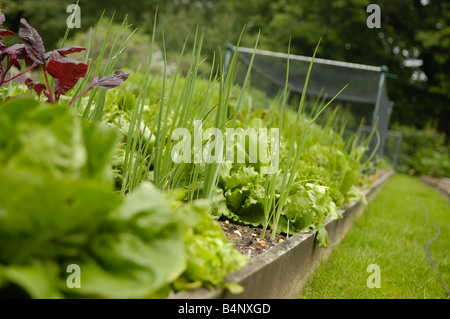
(308, 59)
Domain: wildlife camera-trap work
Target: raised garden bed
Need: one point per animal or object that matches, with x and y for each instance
(283, 269)
(441, 184)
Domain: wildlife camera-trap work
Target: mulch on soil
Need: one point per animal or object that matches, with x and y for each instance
(248, 240)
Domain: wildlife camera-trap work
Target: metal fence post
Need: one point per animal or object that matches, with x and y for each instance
(376, 113)
(382, 111)
(227, 58)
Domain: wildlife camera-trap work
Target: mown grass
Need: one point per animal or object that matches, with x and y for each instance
(392, 233)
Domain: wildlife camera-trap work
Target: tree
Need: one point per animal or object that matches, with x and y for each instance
(413, 40)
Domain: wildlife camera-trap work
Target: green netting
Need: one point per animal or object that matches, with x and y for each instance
(365, 96)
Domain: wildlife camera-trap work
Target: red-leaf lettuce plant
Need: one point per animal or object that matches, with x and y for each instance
(64, 70)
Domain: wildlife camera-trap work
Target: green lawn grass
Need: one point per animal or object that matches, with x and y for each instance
(392, 233)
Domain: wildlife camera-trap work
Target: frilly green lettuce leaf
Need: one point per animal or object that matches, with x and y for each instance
(210, 258)
(322, 236)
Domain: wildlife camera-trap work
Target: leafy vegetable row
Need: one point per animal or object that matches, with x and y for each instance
(58, 207)
(325, 179)
(107, 196)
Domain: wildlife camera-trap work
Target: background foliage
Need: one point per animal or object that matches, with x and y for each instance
(423, 151)
(413, 40)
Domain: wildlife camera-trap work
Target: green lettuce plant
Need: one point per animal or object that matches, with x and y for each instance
(58, 208)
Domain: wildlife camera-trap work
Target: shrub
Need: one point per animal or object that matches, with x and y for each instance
(423, 151)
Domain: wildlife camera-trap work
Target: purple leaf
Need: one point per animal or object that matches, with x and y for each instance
(4, 32)
(3, 46)
(16, 49)
(70, 50)
(34, 45)
(15, 52)
(37, 87)
(64, 51)
(65, 71)
(109, 81)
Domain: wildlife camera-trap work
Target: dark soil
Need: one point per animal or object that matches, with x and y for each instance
(248, 240)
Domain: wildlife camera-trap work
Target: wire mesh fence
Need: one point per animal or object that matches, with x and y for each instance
(365, 96)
